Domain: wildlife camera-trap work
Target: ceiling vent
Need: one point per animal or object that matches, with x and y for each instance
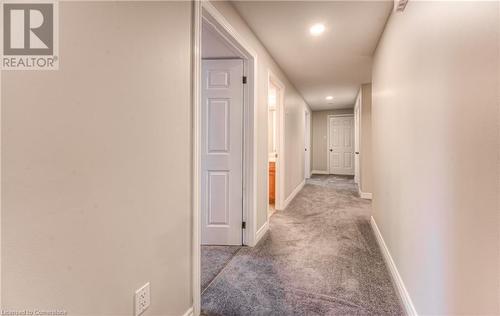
(400, 5)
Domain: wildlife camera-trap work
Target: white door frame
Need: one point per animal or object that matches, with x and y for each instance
(280, 142)
(205, 12)
(357, 139)
(307, 154)
(328, 137)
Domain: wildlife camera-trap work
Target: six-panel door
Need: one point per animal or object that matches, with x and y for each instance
(222, 152)
(341, 145)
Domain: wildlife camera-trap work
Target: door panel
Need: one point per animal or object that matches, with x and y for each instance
(341, 145)
(218, 198)
(348, 161)
(222, 156)
(218, 125)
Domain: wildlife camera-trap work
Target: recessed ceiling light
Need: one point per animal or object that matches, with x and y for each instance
(329, 97)
(317, 29)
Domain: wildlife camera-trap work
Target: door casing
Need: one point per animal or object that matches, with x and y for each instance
(280, 142)
(307, 145)
(357, 134)
(205, 12)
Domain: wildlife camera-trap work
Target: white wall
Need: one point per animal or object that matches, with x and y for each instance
(294, 116)
(436, 150)
(213, 46)
(95, 164)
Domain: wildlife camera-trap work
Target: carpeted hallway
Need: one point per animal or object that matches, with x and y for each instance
(320, 257)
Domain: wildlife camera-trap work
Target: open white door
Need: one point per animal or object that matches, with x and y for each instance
(341, 145)
(222, 152)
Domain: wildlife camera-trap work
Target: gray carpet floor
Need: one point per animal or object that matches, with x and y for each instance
(213, 260)
(320, 257)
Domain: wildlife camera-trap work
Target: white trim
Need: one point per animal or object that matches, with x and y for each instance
(396, 277)
(319, 172)
(261, 232)
(280, 148)
(364, 195)
(189, 312)
(328, 141)
(307, 152)
(294, 193)
(196, 168)
(357, 138)
(1, 190)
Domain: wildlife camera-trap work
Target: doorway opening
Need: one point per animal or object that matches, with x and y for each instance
(275, 127)
(272, 103)
(224, 148)
(340, 140)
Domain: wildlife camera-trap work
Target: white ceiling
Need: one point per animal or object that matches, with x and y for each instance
(335, 63)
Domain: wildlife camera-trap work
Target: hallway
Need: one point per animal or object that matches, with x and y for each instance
(142, 156)
(319, 257)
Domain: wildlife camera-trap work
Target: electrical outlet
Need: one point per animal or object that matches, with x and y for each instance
(142, 299)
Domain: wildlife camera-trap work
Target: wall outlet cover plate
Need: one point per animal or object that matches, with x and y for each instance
(142, 299)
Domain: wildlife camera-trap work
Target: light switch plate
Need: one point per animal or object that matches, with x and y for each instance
(142, 299)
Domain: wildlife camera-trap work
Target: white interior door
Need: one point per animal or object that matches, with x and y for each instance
(357, 133)
(307, 145)
(341, 145)
(222, 152)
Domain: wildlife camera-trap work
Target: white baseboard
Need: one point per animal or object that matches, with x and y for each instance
(319, 172)
(396, 278)
(364, 195)
(294, 193)
(189, 312)
(261, 232)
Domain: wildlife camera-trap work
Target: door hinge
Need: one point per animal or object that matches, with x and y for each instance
(244, 79)
(244, 225)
